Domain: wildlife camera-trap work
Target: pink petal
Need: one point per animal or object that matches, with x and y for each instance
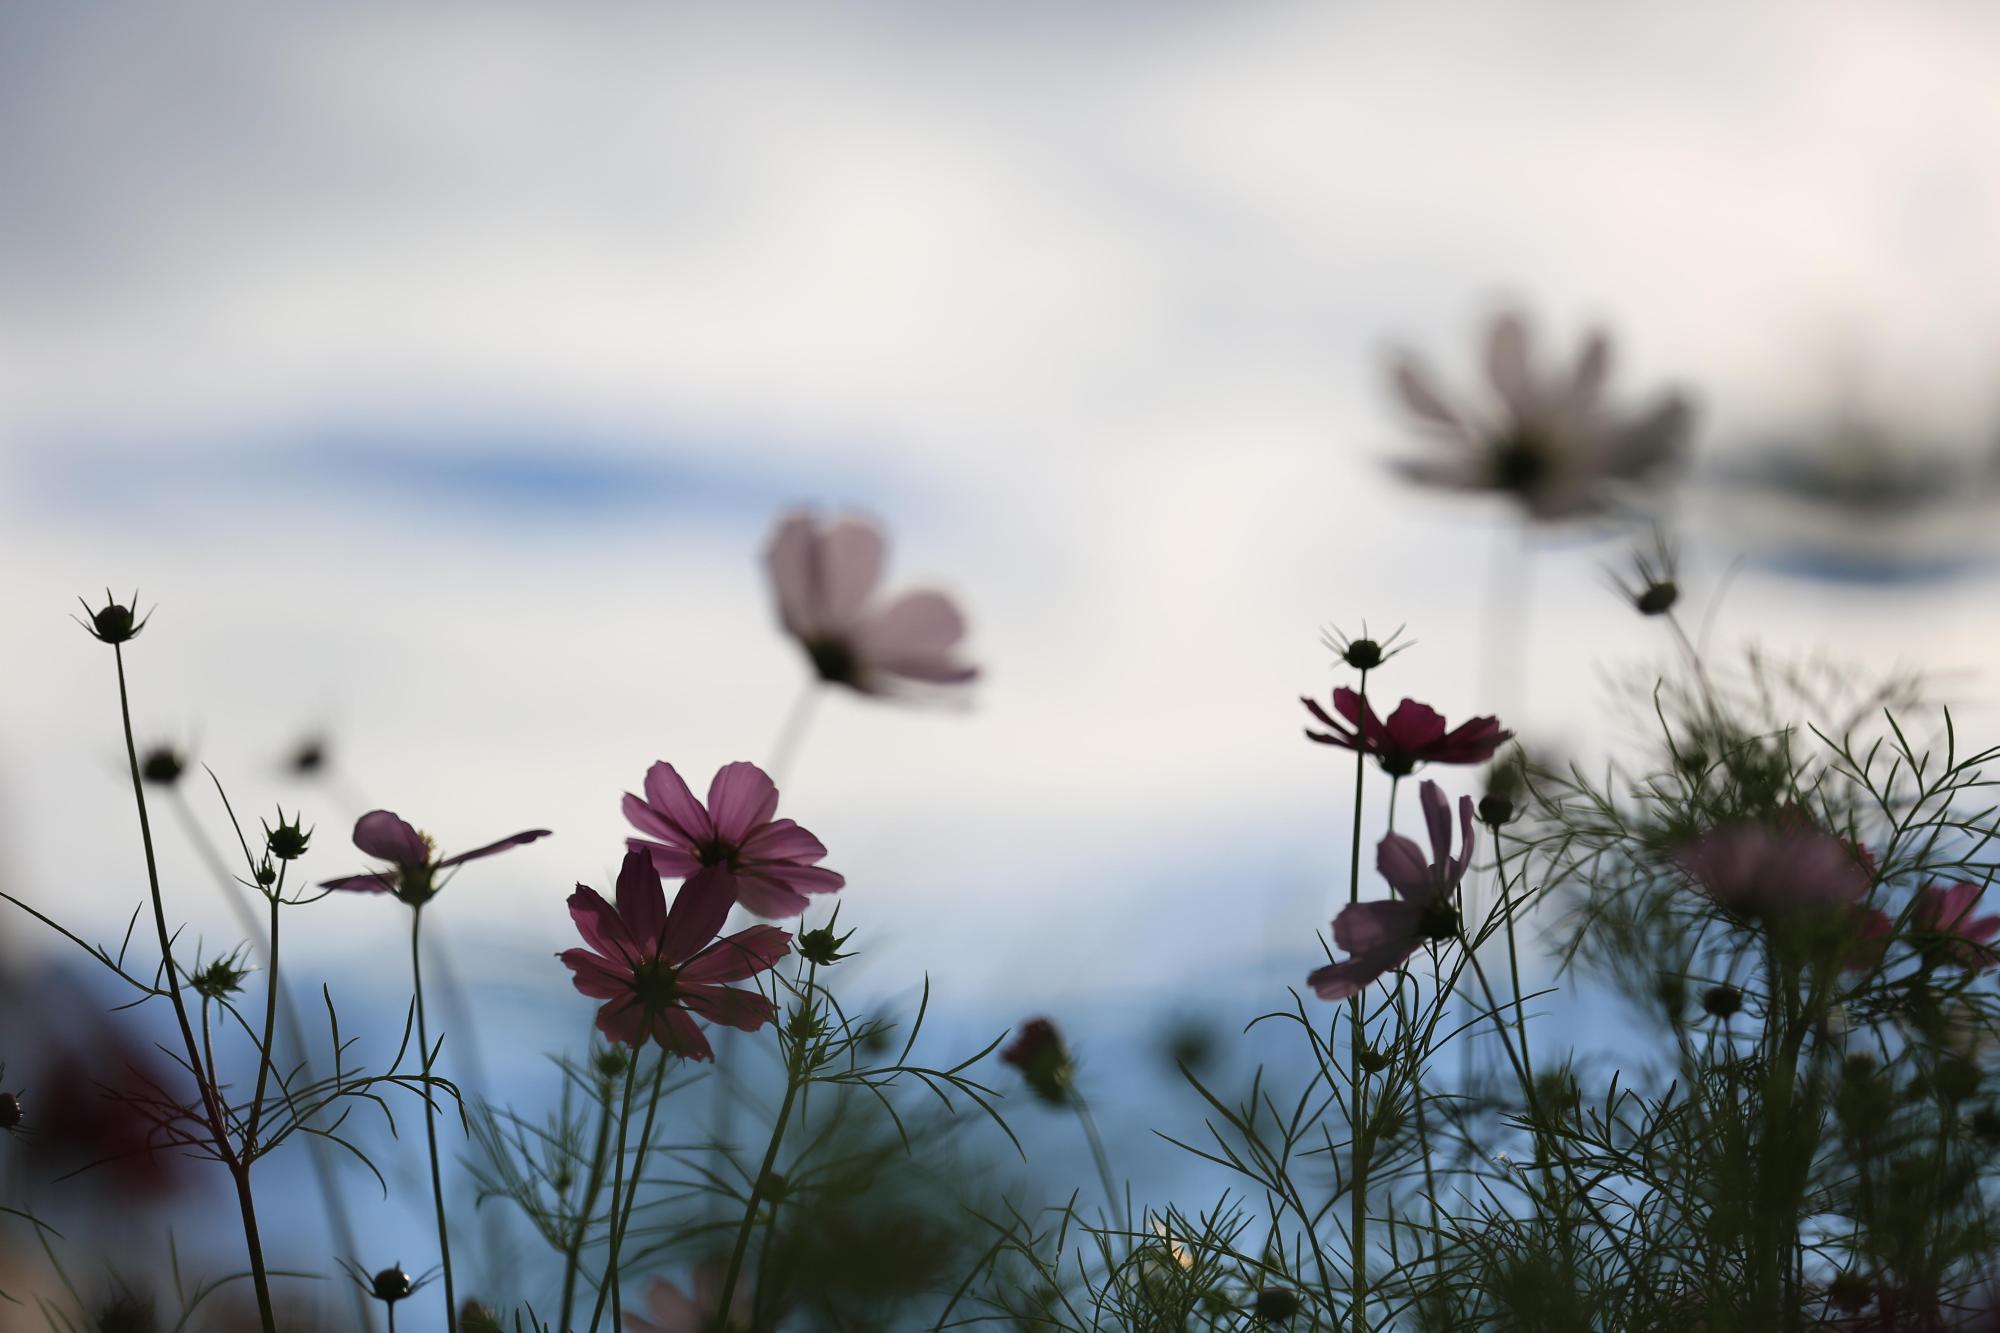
(1341, 981)
(744, 954)
(672, 1312)
(848, 567)
(388, 838)
(1363, 928)
(1437, 816)
(775, 891)
(1402, 863)
(1348, 704)
(361, 884)
(672, 862)
(1507, 365)
(681, 813)
(1413, 385)
(919, 624)
(699, 910)
(790, 557)
(741, 797)
(936, 670)
(642, 903)
(1464, 861)
(1413, 725)
(744, 1009)
(623, 1020)
(782, 840)
(676, 1032)
(1593, 368)
(597, 921)
(517, 840)
(1651, 440)
(596, 977)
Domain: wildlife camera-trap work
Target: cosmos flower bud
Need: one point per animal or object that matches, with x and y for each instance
(392, 1284)
(10, 1110)
(1986, 1124)
(772, 1186)
(1656, 599)
(220, 978)
(612, 1062)
(821, 946)
(1722, 1001)
(162, 766)
(1044, 1061)
(114, 623)
(1495, 810)
(1955, 1079)
(1850, 1292)
(1371, 1059)
(287, 841)
(1277, 1304)
(267, 874)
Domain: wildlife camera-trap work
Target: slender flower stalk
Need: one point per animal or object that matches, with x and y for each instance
(1357, 1091)
(430, 1117)
(610, 1283)
(622, 1216)
(593, 1185)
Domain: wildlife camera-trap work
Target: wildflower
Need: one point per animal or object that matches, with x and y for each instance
(1556, 445)
(766, 864)
(658, 970)
(114, 623)
(1044, 1061)
(674, 1311)
(1380, 936)
(1955, 937)
(412, 858)
(162, 765)
(825, 575)
(1760, 870)
(1414, 734)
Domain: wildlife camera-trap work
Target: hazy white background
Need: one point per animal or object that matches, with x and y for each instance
(439, 371)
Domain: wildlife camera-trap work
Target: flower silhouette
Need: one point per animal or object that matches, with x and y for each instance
(413, 860)
(1380, 936)
(1414, 734)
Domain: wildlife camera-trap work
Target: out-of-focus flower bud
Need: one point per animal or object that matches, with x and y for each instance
(162, 765)
(1276, 1304)
(11, 1112)
(612, 1062)
(1038, 1052)
(220, 978)
(1722, 1001)
(476, 1318)
(772, 1186)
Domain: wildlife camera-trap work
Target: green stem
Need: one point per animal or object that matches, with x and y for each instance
(1513, 954)
(270, 1022)
(617, 1182)
(792, 1081)
(622, 1220)
(430, 1120)
(1357, 1118)
(1112, 1194)
(211, 1103)
(573, 1254)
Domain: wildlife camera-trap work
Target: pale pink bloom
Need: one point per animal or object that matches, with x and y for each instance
(1957, 937)
(1380, 936)
(1554, 441)
(825, 576)
(674, 1311)
(769, 865)
(1758, 870)
(658, 969)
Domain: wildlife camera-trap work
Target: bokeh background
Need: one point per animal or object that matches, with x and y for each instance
(440, 370)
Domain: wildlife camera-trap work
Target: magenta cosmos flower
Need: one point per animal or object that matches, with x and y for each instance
(1957, 937)
(767, 864)
(1757, 870)
(825, 576)
(1380, 937)
(1414, 734)
(413, 860)
(659, 969)
(1555, 443)
(674, 1311)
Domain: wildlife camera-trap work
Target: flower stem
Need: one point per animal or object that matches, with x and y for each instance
(239, 1170)
(1513, 953)
(1112, 1194)
(573, 1255)
(610, 1281)
(621, 1218)
(792, 1081)
(430, 1119)
(1358, 1201)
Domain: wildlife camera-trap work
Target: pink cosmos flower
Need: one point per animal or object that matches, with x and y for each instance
(825, 576)
(1380, 937)
(1414, 734)
(1872, 932)
(413, 861)
(660, 969)
(767, 864)
(1758, 870)
(1958, 938)
(673, 1311)
(1555, 443)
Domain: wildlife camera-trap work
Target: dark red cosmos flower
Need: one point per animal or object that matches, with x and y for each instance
(1414, 734)
(413, 860)
(1039, 1053)
(660, 969)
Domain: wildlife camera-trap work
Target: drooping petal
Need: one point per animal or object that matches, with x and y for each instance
(1344, 980)
(1437, 818)
(1373, 926)
(699, 910)
(362, 884)
(913, 636)
(849, 565)
(744, 1009)
(782, 840)
(1349, 705)
(1402, 863)
(1507, 363)
(677, 1032)
(738, 956)
(741, 797)
(790, 558)
(386, 837)
(670, 799)
(596, 977)
(1336, 733)
(642, 903)
(1471, 742)
(515, 840)
(597, 921)
(671, 862)
(1464, 861)
(623, 1020)
(776, 891)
